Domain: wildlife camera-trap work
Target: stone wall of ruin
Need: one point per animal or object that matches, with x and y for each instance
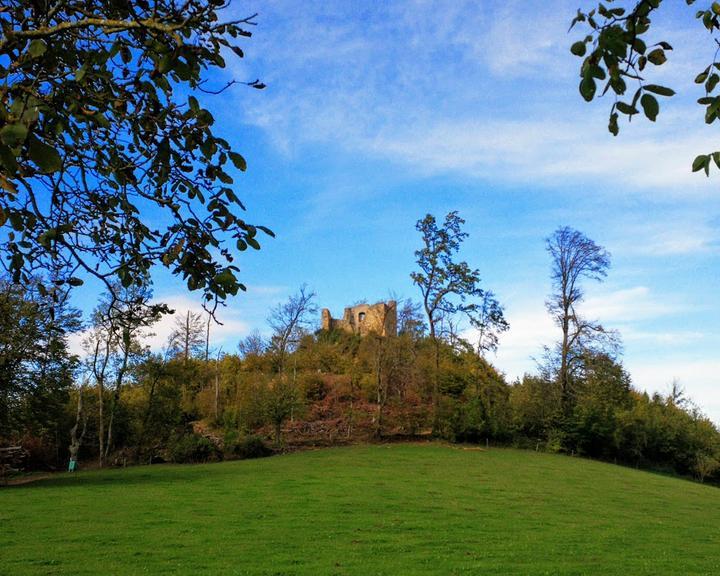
(363, 319)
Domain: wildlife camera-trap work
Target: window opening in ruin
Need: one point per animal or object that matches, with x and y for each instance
(361, 316)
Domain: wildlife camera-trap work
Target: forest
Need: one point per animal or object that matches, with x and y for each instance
(294, 386)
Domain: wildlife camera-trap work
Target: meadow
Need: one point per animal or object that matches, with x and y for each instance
(366, 510)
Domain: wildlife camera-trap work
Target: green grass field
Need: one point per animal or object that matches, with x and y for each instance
(398, 509)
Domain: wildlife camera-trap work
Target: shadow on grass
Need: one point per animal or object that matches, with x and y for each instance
(132, 475)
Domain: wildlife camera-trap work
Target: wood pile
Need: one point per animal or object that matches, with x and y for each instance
(12, 460)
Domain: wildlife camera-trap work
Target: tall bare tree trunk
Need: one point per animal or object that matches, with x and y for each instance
(436, 379)
(217, 393)
(75, 440)
(207, 339)
(116, 395)
(187, 336)
(101, 423)
(380, 398)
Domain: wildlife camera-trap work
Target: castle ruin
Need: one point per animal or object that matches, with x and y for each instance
(362, 319)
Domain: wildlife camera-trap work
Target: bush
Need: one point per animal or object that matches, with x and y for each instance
(193, 448)
(41, 454)
(251, 446)
(314, 388)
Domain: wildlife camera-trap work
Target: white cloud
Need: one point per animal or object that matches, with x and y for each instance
(663, 338)
(520, 41)
(676, 234)
(699, 378)
(627, 305)
(553, 150)
(531, 328)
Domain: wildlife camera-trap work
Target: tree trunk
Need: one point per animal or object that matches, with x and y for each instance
(146, 418)
(75, 440)
(217, 395)
(116, 398)
(436, 381)
(187, 336)
(101, 423)
(380, 401)
(207, 340)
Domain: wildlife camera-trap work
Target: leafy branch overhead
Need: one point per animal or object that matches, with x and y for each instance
(618, 55)
(101, 127)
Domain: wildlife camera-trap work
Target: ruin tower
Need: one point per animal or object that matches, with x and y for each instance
(380, 318)
(325, 320)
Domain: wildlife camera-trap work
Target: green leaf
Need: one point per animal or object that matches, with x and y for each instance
(80, 73)
(702, 161)
(45, 156)
(578, 48)
(266, 230)
(716, 158)
(659, 90)
(626, 108)
(16, 221)
(650, 106)
(657, 57)
(238, 161)
(224, 177)
(226, 279)
(37, 48)
(587, 88)
(8, 160)
(613, 124)
(711, 83)
(13, 134)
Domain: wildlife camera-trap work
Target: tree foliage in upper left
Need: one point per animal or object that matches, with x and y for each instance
(109, 163)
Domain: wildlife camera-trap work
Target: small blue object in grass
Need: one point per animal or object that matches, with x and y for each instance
(72, 467)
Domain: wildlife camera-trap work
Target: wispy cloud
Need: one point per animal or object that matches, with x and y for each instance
(681, 232)
(233, 321)
(434, 86)
(628, 305)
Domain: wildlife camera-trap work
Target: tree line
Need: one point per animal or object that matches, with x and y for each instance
(294, 386)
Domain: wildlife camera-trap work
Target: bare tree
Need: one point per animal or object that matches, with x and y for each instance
(119, 324)
(75, 439)
(252, 344)
(290, 321)
(488, 319)
(190, 335)
(409, 318)
(376, 349)
(574, 258)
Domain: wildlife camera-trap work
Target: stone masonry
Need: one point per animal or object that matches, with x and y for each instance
(362, 319)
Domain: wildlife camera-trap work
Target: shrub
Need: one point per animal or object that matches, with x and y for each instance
(314, 388)
(40, 454)
(193, 448)
(251, 446)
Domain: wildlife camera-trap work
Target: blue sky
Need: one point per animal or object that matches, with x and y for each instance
(378, 113)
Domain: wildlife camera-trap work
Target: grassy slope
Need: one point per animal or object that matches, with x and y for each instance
(400, 509)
